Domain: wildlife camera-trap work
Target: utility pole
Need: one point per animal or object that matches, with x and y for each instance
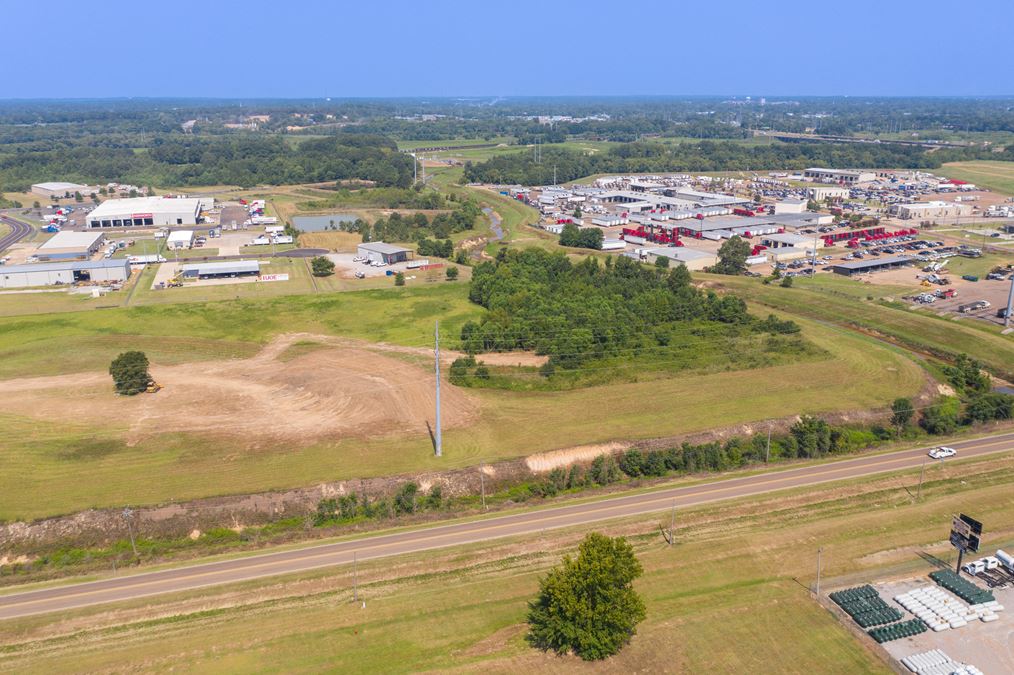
(438, 439)
(922, 472)
(819, 551)
(767, 453)
(482, 484)
(127, 515)
(672, 523)
(355, 576)
(1010, 302)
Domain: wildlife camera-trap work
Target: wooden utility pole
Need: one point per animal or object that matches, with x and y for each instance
(482, 484)
(355, 576)
(672, 523)
(438, 438)
(819, 551)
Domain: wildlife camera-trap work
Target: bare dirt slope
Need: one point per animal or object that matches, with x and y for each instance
(339, 390)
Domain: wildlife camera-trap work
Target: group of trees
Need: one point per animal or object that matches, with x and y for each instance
(418, 227)
(352, 506)
(573, 313)
(129, 371)
(588, 237)
(649, 157)
(224, 160)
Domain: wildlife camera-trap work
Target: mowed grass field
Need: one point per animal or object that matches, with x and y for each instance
(997, 176)
(42, 461)
(832, 300)
(731, 596)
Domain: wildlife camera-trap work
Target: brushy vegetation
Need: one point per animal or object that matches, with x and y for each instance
(609, 315)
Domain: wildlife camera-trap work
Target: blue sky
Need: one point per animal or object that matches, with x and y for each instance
(311, 48)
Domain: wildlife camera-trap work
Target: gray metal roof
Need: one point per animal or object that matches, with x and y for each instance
(75, 266)
(226, 267)
(381, 247)
(679, 253)
(873, 263)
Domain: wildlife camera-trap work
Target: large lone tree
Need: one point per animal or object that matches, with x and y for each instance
(130, 373)
(587, 605)
(732, 256)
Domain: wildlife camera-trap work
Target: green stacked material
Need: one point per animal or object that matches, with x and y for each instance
(899, 630)
(865, 606)
(962, 588)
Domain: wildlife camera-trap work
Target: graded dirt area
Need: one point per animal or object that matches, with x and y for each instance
(337, 390)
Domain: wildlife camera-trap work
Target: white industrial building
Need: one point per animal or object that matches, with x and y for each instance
(819, 194)
(787, 240)
(378, 251)
(935, 209)
(178, 239)
(790, 206)
(693, 259)
(67, 245)
(146, 212)
(62, 190)
(219, 270)
(48, 274)
(841, 176)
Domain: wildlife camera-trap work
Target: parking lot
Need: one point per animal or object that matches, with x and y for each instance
(346, 267)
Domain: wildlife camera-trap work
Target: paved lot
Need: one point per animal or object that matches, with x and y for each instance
(344, 267)
(987, 646)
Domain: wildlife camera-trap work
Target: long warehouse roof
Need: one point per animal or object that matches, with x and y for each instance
(69, 265)
(145, 205)
(875, 262)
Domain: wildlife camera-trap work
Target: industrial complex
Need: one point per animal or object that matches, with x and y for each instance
(146, 212)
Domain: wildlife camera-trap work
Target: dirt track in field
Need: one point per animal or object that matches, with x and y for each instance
(341, 389)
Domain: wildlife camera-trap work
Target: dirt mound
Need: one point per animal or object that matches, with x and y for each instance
(338, 390)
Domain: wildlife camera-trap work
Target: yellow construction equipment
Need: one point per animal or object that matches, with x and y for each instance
(153, 387)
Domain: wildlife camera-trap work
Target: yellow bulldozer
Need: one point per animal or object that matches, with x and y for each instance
(153, 387)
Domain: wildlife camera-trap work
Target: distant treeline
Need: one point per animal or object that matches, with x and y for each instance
(648, 157)
(244, 160)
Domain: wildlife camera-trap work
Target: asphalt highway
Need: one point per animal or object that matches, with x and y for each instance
(19, 231)
(192, 577)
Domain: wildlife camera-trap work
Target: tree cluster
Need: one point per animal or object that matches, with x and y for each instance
(129, 371)
(577, 237)
(540, 301)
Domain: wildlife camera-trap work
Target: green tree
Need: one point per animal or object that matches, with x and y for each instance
(321, 266)
(78, 197)
(786, 282)
(404, 500)
(36, 204)
(399, 279)
(588, 605)
(732, 256)
(452, 273)
(577, 211)
(901, 412)
(942, 417)
(130, 373)
(661, 262)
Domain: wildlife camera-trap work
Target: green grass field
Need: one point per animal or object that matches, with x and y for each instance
(824, 299)
(997, 176)
(41, 462)
(731, 596)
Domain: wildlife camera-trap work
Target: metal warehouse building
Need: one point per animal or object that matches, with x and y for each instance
(844, 176)
(863, 266)
(693, 260)
(69, 245)
(47, 274)
(145, 212)
(378, 251)
(218, 270)
(61, 190)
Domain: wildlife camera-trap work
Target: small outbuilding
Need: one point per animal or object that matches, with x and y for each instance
(378, 251)
(180, 239)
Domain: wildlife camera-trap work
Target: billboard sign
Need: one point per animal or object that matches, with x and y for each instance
(965, 533)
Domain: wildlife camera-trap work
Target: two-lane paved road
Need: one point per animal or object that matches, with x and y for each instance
(18, 232)
(529, 522)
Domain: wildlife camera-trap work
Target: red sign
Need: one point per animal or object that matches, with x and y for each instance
(140, 215)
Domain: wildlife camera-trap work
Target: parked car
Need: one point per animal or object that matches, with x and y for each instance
(942, 452)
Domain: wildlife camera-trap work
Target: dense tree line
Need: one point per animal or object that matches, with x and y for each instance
(418, 227)
(244, 160)
(574, 313)
(588, 237)
(520, 168)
